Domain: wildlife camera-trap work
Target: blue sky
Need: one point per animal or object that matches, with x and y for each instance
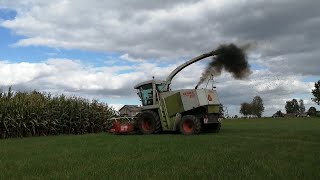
(98, 50)
(36, 54)
(40, 53)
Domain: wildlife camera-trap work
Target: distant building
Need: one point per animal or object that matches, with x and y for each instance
(129, 110)
(278, 114)
(303, 115)
(275, 115)
(290, 115)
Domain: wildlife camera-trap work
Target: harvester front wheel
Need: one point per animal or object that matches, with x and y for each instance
(149, 123)
(190, 124)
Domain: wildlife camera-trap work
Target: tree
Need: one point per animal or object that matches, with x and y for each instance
(292, 106)
(245, 109)
(312, 111)
(254, 108)
(316, 93)
(289, 106)
(257, 106)
(302, 108)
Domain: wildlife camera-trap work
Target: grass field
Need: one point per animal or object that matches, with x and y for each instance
(244, 149)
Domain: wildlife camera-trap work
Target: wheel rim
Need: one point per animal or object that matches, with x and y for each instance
(187, 126)
(147, 125)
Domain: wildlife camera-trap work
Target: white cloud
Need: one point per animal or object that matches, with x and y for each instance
(131, 59)
(76, 78)
(147, 32)
(168, 29)
(13, 74)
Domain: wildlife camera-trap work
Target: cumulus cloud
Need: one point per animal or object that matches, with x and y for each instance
(172, 29)
(149, 34)
(12, 74)
(127, 57)
(73, 76)
(76, 78)
(166, 29)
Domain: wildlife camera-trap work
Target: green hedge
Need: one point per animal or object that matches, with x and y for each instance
(25, 114)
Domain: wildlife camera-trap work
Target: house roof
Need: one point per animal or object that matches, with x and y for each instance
(131, 107)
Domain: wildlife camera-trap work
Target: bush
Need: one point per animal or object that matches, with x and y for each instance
(25, 114)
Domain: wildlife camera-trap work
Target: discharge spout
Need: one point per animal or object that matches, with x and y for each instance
(167, 83)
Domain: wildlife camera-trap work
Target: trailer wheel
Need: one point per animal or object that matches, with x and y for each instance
(148, 122)
(190, 124)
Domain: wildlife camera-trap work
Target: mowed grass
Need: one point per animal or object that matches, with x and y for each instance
(244, 149)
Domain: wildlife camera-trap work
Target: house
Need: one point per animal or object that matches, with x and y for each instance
(290, 115)
(303, 115)
(278, 114)
(129, 110)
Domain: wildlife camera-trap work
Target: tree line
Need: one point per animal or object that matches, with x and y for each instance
(256, 108)
(297, 108)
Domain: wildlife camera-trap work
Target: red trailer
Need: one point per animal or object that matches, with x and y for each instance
(121, 125)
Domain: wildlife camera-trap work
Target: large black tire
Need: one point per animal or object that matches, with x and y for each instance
(215, 128)
(148, 122)
(189, 125)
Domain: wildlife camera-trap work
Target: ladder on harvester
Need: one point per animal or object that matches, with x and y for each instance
(163, 112)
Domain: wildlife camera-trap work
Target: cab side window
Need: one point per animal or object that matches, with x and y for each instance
(147, 94)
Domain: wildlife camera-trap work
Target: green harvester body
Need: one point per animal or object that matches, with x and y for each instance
(175, 107)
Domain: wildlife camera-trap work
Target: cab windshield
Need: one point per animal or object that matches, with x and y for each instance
(160, 87)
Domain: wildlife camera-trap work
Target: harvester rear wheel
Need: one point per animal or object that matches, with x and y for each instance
(148, 122)
(214, 128)
(190, 124)
(217, 128)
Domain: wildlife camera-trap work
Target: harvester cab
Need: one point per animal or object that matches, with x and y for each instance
(148, 92)
(190, 111)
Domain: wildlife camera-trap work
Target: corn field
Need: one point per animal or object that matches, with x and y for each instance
(24, 114)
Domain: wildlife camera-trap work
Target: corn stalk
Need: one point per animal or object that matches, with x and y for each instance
(24, 114)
